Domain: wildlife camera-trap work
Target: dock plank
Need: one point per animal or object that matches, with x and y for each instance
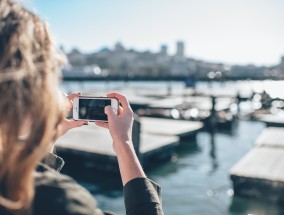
(170, 127)
(271, 120)
(260, 174)
(271, 137)
(93, 145)
(98, 140)
(200, 102)
(87, 138)
(261, 163)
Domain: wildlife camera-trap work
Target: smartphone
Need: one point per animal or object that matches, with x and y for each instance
(92, 108)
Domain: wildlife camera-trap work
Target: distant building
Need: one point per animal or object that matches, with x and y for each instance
(281, 66)
(164, 50)
(179, 66)
(180, 49)
(120, 61)
(119, 47)
(76, 58)
(248, 71)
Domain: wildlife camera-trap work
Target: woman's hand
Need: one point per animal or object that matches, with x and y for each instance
(120, 126)
(68, 124)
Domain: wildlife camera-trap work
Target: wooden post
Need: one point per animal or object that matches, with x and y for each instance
(213, 117)
(238, 98)
(136, 129)
(169, 89)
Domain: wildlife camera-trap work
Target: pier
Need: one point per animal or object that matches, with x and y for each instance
(164, 119)
(260, 173)
(157, 140)
(271, 120)
(180, 128)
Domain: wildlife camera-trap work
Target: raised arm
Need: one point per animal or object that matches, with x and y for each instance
(120, 127)
(141, 195)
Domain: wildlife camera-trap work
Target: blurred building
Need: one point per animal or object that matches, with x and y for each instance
(281, 65)
(247, 71)
(179, 66)
(118, 47)
(76, 57)
(180, 49)
(120, 61)
(164, 50)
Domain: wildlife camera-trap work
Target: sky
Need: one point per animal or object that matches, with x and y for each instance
(226, 31)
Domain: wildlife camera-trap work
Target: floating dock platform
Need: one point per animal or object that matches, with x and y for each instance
(260, 173)
(93, 145)
(271, 120)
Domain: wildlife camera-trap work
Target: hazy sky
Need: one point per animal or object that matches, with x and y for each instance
(229, 31)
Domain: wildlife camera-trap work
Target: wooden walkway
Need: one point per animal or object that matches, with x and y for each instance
(271, 120)
(200, 102)
(271, 137)
(181, 128)
(93, 145)
(260, 173)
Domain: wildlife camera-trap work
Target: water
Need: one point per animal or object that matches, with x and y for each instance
(196, 179)
(274, 88)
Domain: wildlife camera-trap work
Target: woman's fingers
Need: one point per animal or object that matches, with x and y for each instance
(69, 124)
(102, 124)
(72, 96)
(70, 99)
(77, 123)
(109, 111)
(122, 99)
(120, 110)
(111, 115)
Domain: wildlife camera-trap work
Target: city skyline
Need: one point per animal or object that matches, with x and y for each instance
(232, 32)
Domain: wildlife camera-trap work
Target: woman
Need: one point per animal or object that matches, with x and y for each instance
(32, 113)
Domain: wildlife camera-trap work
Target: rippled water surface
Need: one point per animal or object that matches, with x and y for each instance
(196, 179)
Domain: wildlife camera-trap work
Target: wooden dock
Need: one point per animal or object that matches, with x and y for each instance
(271, 120)
(93, 145)
(271, 137)
(165, 127)
(200, 102)
(260, 173)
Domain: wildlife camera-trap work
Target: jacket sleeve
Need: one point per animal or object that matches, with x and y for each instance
(142, 196)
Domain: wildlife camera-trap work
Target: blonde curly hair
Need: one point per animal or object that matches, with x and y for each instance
(30, 101)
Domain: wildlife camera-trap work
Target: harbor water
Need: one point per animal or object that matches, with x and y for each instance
(273, 88)
(196, 178)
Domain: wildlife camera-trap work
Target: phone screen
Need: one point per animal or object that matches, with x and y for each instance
(93, 109)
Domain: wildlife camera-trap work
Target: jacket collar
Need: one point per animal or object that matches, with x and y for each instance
(51, 161)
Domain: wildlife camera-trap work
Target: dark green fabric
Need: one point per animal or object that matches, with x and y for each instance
(56, 193)
(53, 161)
(142, 196)
(59, 194)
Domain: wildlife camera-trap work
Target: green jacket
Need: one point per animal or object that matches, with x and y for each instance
(59, 194)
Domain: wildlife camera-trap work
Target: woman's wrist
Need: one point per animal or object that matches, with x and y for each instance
(129, 164)
(125, 146)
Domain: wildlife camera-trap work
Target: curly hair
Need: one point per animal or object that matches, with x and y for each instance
(31, 106)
